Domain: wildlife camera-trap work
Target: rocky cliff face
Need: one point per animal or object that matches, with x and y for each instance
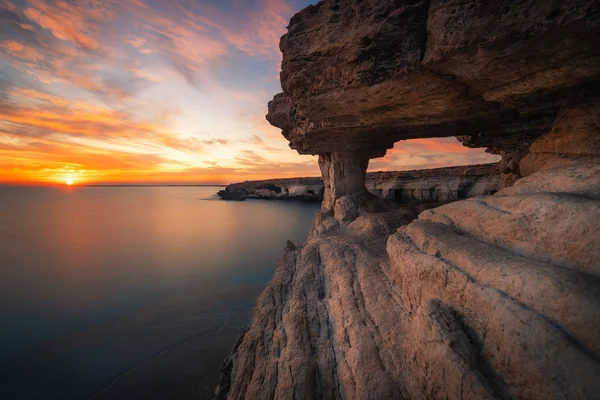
(358, 76)
(437, 185)
(494, 297)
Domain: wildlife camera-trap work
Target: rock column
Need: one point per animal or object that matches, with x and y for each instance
(343, 175)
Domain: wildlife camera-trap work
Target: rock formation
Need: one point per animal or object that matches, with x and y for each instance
(360, 75)
(303, 189)
(574, 137)
(494, 297)
(438, 185)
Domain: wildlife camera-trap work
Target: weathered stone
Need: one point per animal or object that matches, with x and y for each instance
(382, 223)
(495, 297)
(574, 138)
(343, 175)
(530, 224)
(534, 49)
(438, 185)
(450, 352)
(534, 162)
(576, 132)
(448, 308)
(326, 226)
(224, 386)
(582, 178)
(361, 75)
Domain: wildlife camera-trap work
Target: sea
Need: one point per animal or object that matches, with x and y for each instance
(130, 292)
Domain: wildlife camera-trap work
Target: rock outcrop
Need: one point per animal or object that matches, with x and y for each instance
(438, 185)
(574, 137)
(358, 76)
(303, 189)
(493, 297)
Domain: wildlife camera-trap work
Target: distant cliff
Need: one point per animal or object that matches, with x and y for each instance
(438, 185)
(304, 189)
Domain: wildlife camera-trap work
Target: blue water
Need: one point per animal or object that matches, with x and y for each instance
(95, 282)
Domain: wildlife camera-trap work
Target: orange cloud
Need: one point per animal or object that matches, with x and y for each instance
(33, 94)
(45, 160)
(431, 145)
(89, 85)
(63, 20)
(430, 153)
(88, 122)
(21, 51)
(183, 41)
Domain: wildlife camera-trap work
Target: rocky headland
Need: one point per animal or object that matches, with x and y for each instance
(493, 297)
(302, 189)
(437, 185)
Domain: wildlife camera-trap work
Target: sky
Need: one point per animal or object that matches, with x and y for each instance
(156, 91)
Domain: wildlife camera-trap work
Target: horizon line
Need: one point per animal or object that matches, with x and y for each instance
(115, 185)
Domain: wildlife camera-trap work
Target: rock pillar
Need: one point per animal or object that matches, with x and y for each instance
(343, 174)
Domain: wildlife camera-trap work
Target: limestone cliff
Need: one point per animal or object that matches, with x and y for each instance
(358, 75)
(437, 185)
(303, 189)
(494, 297)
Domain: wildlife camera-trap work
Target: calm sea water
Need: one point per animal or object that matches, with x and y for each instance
(130, 292)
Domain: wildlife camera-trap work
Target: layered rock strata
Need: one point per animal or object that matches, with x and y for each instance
(358, 76)
(436, 185)
(494, 297)
(574, 137)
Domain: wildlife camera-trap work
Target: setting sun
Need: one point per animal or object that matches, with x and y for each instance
(68, 181)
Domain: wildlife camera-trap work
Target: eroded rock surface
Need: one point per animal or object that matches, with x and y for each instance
(438, 185)
(575, 137)
(358, 76)
(493, 297)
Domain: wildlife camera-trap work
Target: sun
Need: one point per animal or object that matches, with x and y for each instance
(69, 181)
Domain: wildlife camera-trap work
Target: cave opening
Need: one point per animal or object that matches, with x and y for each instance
(430, 153)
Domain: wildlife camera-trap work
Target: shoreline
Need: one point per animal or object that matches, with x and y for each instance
(434, 185)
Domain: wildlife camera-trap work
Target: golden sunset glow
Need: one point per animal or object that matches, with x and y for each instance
(155, 92)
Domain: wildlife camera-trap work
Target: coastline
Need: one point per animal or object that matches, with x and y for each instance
(432, 287)
(435, 185)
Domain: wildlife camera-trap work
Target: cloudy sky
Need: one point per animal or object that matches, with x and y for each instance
(160, 91)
